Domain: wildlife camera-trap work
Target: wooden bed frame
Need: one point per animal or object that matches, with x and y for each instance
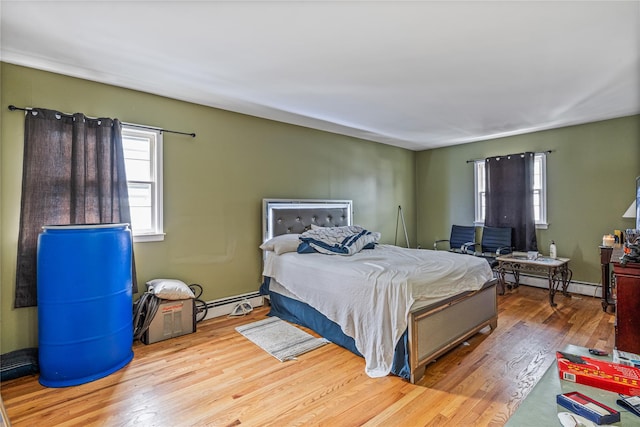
(433, 329)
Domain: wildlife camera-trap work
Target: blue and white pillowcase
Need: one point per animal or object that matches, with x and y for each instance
(347, 240)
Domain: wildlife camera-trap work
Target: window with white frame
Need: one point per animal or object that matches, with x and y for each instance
(143, 163)
(539, 190)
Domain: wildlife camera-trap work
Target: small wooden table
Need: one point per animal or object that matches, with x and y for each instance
(556, 270)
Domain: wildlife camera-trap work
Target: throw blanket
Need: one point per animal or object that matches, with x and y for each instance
(346, 240)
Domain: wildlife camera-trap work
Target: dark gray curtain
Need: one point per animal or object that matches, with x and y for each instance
(73, 173)
(509, 197)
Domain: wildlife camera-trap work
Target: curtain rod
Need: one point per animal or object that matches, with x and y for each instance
(193, 135)
(515, 154)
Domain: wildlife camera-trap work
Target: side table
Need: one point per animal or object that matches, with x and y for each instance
(556, 270)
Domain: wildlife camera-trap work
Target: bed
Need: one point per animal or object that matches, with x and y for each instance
(399, 308)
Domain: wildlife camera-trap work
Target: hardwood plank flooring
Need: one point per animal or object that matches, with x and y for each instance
(216, 377)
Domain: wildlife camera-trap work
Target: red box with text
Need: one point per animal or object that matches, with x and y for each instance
(599, 373)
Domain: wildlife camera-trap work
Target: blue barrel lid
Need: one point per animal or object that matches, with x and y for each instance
(83, 226)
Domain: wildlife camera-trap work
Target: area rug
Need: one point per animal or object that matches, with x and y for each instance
(280, 339)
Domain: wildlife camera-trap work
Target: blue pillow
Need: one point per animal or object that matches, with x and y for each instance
(306, 248)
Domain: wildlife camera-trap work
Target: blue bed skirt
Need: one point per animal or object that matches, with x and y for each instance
(303, 314)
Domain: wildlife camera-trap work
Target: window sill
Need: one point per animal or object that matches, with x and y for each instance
(148, 238)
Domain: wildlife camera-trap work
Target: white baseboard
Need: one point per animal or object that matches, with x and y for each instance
(224, 306)
(575, 287)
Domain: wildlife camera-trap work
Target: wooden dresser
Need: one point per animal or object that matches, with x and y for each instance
(627, 297)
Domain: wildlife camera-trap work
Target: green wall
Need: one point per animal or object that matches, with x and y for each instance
(590, 183)
(213, 184)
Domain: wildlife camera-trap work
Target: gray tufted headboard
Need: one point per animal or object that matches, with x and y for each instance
(282, 216)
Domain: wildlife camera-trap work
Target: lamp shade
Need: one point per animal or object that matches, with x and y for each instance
(631, 212)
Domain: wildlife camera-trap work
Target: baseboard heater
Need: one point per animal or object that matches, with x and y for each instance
(225, 306)
(575, 287)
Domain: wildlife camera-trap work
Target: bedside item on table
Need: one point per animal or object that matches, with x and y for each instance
(553, 251)
(608, 240)
(618, 236)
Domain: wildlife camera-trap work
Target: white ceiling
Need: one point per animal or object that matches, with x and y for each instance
(415, 74)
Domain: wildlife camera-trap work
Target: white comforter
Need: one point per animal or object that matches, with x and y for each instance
(369, 294)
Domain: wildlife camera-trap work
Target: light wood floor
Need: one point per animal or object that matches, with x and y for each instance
(216, 377)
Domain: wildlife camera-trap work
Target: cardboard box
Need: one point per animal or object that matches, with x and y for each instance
(599, 373)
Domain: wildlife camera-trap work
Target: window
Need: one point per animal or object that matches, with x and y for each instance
(143, 163)
(539, 190)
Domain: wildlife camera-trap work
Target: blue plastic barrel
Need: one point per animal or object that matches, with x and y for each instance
(85, 302)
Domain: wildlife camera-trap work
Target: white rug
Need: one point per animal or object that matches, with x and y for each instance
(280, 339)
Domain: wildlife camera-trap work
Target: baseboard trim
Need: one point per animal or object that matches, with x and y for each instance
(575, 287)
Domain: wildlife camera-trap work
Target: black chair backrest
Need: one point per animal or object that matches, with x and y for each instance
(461, 234)
(494, 238)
